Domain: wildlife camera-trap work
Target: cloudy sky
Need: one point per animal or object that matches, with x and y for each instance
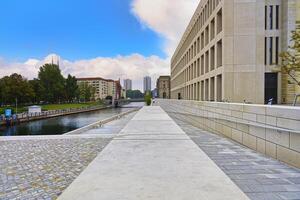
(111, 39)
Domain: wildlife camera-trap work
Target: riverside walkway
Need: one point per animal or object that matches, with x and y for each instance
(152, 158)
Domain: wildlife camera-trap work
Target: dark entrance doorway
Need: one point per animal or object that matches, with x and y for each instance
(179, 96)
(164, 95)
(271, 88)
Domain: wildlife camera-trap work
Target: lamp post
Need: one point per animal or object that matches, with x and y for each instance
(16, 105)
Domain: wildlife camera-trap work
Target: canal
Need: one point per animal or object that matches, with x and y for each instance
(63, 124)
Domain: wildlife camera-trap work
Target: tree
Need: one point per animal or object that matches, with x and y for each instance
(86, 92)
(134, 94)
(15, 88)
(38, 90)
(291, 58)
(148, 98)
(72, 90)
(53, 83)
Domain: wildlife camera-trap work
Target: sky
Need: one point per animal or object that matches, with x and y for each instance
(92, 38)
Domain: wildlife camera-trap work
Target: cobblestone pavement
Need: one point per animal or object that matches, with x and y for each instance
(42, 169)
(260, 177)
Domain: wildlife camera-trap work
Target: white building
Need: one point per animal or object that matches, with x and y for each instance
(230, 49)
(103, 87)
(147, 83)
(127, 84)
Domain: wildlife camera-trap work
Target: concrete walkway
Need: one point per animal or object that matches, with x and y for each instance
(152, 158)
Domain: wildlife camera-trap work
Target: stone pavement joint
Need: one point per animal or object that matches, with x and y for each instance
(260, 177)
(152, 158)
(42, 169)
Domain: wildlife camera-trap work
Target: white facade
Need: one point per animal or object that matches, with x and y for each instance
(103, 87)
(127, 84)
(147, 83)
(230, 49)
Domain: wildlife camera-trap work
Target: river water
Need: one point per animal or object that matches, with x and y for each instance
(63, 124)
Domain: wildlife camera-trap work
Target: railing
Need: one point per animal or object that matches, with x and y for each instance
(46, 114)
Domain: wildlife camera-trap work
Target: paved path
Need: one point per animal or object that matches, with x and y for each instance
(152, 158)
(41, 167)
(260, 177)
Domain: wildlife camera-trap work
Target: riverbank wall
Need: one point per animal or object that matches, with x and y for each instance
(26, 117)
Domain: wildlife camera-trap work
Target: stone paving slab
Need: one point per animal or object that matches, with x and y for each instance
(152, 165)
(260, 177)
(42, 169)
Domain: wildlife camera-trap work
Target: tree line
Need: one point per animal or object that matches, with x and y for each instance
(49, 87)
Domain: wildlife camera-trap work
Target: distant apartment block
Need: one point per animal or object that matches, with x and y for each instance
(230, 49)
(147, 83)
(127, 84)
(163, 87)
(103, 87)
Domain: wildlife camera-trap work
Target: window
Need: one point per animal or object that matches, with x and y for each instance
(207, 62)
(219, 54)
(202, 40)
(277, 17)
(266, 17)
(198, 67)
(219, 21)
(212, 89)
(206, 35)
(271, 50)
(212, 29)
(198, 45)
(277, 50)
(202, 90)
(266, 49)
(206, 89)
(212, 58)
(271, 17)
(219, 88)
(202, 64)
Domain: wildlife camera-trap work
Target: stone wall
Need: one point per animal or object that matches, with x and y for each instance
(271, 130)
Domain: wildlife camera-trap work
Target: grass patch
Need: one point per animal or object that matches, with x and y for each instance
(68, 106)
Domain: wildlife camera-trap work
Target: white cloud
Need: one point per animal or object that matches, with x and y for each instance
(169, 18)
(134, 66)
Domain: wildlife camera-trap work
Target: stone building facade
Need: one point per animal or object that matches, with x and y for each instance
(103, 87)
(230, 49)
(163, 87)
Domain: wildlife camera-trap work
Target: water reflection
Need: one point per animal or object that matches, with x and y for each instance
(61, 125)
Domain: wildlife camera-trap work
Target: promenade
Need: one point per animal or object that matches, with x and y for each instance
(152, 158)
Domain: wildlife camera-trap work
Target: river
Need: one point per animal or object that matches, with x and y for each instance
(63, 124)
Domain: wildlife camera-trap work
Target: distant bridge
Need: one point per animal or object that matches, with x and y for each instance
(122, 102)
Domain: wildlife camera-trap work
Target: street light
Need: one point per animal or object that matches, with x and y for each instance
(16, 105)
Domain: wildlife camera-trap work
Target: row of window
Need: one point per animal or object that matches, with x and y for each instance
(209, 61)
(201, 42)
(207, 90)
(203, 16)
(272, 17)
(272, 47)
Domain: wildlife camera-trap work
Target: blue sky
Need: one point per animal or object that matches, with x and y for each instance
(114, 39)
(74, 29)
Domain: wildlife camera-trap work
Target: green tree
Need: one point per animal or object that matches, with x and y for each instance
(15, 87)
(38, 90)
(53, 83)
(72, 90)
(86, 92)
(291, 58)
(148, 98)
(134, 94)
